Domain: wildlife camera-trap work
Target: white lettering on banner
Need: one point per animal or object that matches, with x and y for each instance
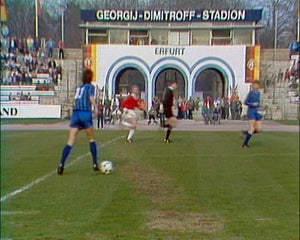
(171, 15)
(147, 15)
(30, 111)
(160, 15)
(224, 15)
(175, 51)
(117, 15)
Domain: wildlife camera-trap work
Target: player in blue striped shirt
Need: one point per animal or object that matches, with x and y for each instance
(254, 118)
(82, 118)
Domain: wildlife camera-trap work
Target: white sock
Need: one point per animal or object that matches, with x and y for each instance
(131, 133)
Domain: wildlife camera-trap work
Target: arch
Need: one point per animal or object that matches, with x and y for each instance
(120, 65)
(211, 82)
(213, 63)
(170, 63)
(164, 78)
(128, 77)
(123, 68)
(167, 59)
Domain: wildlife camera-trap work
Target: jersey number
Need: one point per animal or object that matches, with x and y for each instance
(79, 93)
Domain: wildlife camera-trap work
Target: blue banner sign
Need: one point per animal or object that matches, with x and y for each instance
(231, 15)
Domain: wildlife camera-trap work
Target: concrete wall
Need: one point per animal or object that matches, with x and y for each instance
(276, 93)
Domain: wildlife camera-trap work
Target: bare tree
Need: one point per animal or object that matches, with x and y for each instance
(22, 12)
(280, 21)
(21, 17)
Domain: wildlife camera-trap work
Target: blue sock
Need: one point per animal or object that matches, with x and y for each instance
(65, 154)
(247, 138)
(94, 152)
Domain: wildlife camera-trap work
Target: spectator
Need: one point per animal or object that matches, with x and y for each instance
(24, 44)
(37, 44)
(29, 96)
(51, 64)
(18, 97)
(208, 102)
(184, 108)
(59, 74)
(5, 44)
(143, 107)
(21, 46)
(206, 114)
(197, 103)
(179, 112)
(217, 113)
(226, 108)
(209, 105)
(100, 117)
(61, 49)
(294, 47)
(161, 114)
(12, 44)
(234, 106)
(191, 108)
(151, 115)
(43, 44)
(19, 65)
(30, 44)
(222, 106)
(239, 108)
(28, 79)
(50, 44)
(287, 75)
(156, 105)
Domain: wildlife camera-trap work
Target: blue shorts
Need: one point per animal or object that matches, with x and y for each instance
(254, 116)
(81, 119)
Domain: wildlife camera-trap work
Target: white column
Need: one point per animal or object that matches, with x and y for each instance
(36, 19)
(62, 27)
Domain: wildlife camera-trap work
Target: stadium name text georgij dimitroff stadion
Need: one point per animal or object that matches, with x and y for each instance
(171, 16)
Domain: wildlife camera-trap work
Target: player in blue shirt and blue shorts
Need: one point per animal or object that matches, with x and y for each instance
(254, 118)
(82, 119)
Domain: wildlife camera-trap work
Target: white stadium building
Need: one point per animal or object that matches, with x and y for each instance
(208, 52)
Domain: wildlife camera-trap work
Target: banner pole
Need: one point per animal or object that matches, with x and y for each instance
(36, 20)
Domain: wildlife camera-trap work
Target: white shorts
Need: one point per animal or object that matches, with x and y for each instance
(129, 114)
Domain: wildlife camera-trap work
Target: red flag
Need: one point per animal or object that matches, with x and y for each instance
(3, 11)
(40, 7)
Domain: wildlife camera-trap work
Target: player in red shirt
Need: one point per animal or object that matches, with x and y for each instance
(130, 115)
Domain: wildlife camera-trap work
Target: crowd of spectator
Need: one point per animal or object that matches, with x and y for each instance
(212, 110)
(291, 75)
(23, 59)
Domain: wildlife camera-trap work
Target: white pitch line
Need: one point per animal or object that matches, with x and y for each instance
(41, 179)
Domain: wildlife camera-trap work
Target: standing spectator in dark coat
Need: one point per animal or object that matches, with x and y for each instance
(100, 117)
(37, 44)
(61, 47)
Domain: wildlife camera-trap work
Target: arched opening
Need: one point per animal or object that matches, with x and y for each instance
(165, 77)
(127, 78)
(210, 82)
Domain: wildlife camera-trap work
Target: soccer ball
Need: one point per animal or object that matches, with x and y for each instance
(106, 167)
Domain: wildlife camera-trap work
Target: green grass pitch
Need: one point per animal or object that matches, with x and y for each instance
(201, 186)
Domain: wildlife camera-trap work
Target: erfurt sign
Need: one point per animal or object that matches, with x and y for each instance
(173, 51)
(112, 15)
